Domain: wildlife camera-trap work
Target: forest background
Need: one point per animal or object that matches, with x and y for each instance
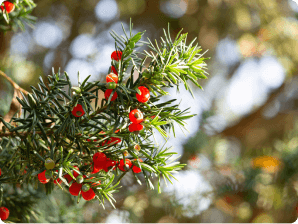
(242, 147)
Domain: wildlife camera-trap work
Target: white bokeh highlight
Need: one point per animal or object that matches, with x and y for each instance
(118, 216)
(173, 8)
(106, 10)
(21, 43)
(48, 59)
(103, 59)
(245, 89)
(187, 190)
(272, 72)
(192, 124)
(85, 68)
(82, 46)
(47, 34)
(227, 51)
(294, 5)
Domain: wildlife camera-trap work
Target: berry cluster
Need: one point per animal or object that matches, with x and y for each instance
(112, 78)
(8, 7)
(79, 185)
(135, 116)
(102, 162)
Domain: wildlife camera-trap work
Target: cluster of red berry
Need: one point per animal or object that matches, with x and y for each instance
(9, 7)
(135, 116)
(77, 185)
(102, 162)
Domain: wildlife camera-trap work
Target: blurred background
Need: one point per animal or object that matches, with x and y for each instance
(241, 150)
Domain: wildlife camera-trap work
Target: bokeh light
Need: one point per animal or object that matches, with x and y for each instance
(245, 89)
(84, 67)
(173, 8)
(118, 217)
(82, 46)
(21, 43)
(47, 34)
(48, 59)
(293, 4)
(272, 72)
(227, 51)
(103, 59)
(192, 183)
(106, 10)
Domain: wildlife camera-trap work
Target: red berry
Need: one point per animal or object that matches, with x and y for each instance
(4, 213)
(108, 164)
(8, 6)
(112, 78)
(108, 93)
(145, 94)
(68, 177)
(88, 195)
(121, 165)
(75, 188)
(99, 157)
(136, 169)
(42, 177)
(99, 160)
(116, 55)
(75, 174)
(113, 69)
(78, 111)
(135, 127)
(136, 116)
(115, 140)
(95, 169)
(57, 181)
(112, 140)
(0, 172)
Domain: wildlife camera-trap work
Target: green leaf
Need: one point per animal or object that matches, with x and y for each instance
(109, 199)
(137, 37)
(111, 180)
(162, 132)
(6, 95)
(147, 167)
(171, 77)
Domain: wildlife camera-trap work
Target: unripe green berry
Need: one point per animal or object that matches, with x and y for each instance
(76, 89)
(80, 179)
(48, 174)
(86, 187)
(49, 164)
(111, 85)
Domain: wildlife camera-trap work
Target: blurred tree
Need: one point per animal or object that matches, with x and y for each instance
(234, 32)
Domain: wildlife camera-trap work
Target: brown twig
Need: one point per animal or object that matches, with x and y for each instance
(16, 86)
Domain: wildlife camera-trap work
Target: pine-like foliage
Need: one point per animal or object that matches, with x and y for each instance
(48, 129)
